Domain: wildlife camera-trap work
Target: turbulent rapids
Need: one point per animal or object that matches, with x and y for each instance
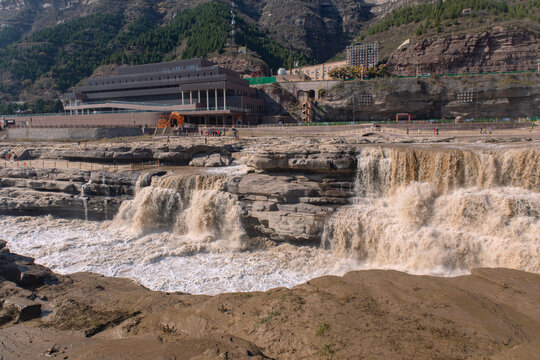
(447, 211)
(194, 207)
(430, 211)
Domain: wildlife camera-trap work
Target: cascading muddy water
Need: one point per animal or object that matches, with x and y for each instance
(441, 211)
(194, 207)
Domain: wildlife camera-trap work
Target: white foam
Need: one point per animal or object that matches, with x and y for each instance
(165, 261)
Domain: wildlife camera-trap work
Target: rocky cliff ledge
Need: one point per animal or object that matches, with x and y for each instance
(287, 189)
(66, 193)
(497, 49)
(292, 191)
(287, 194)
(480, 96)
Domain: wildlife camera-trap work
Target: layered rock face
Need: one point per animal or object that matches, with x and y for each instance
(499, 49)
(293, 192)
(487, 96)
(283, 192)
(19, 276)
(286, 196)
(198, 155)
(67, 193)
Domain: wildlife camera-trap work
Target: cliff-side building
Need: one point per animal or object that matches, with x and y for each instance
(320, 71)
(201, 91)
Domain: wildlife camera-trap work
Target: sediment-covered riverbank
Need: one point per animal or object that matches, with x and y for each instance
(368, 314)
(279, 213)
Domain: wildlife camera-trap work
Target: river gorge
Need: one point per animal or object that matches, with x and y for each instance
(275, 213)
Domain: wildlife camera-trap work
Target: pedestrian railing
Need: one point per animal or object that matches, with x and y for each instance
(78, 165)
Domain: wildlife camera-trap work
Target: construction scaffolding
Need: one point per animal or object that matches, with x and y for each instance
(363, 55)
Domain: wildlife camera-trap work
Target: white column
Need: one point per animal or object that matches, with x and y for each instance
(199, 96)
(182, 97)
(207, 100)
(224, 98)
(215, 90)
(190, 97)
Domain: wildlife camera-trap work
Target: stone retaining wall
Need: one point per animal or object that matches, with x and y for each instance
(70, 133)
(137, 119)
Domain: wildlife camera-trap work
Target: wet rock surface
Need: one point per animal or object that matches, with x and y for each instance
(60, 192)
(19, 278)
(290, 188)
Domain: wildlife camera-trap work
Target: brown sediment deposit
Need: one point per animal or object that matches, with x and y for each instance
(373, 314)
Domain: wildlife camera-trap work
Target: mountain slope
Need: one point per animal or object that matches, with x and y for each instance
(459, 36)
(63, 55)
(46, 46)
(53, 45)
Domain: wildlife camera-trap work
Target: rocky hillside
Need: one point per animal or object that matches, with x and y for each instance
(458, 36)
(475, 96)
(46, 47)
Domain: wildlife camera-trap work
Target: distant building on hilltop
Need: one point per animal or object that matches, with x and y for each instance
(363, 54)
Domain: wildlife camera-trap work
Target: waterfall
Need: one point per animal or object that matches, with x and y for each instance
(195, 207)
(84, 198)
(441, 210)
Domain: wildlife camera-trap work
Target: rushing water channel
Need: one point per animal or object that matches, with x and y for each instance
(426, 213)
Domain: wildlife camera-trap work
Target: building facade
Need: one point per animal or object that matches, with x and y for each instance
(201, 91)
(366, 55)
(320, 71)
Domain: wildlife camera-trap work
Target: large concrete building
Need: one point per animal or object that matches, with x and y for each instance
(201, 91)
